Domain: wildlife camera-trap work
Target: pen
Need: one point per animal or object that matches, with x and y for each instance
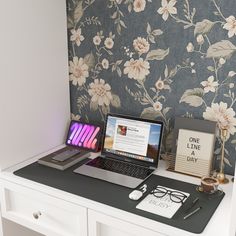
(192, 204)
(192, 213)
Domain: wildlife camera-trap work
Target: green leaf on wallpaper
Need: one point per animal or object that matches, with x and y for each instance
(109, 52)
(153, 89)
(114, 15)
(151, 38)
(173, 72)
(93, 106)
(143, 101)
(118, 28)
(211, 68)
(115, 102)
(227, 95)
(149, 29)
(150, 113)
(105, 109)
(122, 23)
(78, 12)
(130, 7)
(89, 60)
(158, 54)
(139, 85)
(157, 32)
(217, 151)
(193, 97)
(165, 110)
(166, 71)
(220, 49)
(203, 27)
(226, 151)
(226, 161)
(121, 13)
(70, 22)
(234, 142)
(118, 70)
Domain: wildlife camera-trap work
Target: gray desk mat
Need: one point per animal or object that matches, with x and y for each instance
(117, 196)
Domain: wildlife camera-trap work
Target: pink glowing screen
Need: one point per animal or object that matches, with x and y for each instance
(83, 135)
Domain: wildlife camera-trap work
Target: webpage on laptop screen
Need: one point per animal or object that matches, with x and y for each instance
(131, 138)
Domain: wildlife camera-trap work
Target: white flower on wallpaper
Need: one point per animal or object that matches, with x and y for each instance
(137, 69)
(160, 84)
(100, 92)
(141, 45)
(230, 25)
(79, 71)
(190, 47)
(139, 5)
(97, 40)
(167, 8)
(210, 84)
(157, 106)
(222, 61)
(109, 43)
(76, 36)
(224, 116)
(200, 39)
(105, 64)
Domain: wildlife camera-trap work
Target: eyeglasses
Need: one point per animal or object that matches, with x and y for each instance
(175, 196)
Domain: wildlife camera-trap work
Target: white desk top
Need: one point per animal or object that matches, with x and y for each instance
(218, 225)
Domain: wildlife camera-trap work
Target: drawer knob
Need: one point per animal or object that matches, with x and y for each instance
(37, 214)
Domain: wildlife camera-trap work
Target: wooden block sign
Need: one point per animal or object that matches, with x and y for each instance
(194, 152)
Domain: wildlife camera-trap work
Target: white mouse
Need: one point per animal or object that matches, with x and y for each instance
(135, 195)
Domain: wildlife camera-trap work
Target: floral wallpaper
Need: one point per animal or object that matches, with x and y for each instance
(155, 59)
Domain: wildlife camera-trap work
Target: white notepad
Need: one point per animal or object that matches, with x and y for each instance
(161, 206)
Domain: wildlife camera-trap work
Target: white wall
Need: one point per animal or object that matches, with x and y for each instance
(1, 224)
(34, 88)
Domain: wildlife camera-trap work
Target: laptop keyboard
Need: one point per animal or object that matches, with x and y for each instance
(120, 167)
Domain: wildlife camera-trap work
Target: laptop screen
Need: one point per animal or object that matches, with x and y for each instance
(133, 138)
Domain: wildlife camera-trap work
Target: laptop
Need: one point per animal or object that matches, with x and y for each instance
(130, 151)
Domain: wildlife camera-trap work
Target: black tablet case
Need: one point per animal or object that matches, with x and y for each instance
(117, 196)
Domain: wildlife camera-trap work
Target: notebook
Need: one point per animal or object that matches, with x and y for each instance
(163, 206)
(64, 158)
(130, 151)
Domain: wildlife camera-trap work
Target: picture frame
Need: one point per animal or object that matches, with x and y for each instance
(194, 142)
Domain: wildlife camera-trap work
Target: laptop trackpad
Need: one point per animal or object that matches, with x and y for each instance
(109, 176)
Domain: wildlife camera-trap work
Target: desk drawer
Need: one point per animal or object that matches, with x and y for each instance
(100, 224)
(42, 213)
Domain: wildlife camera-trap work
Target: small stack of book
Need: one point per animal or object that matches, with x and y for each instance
(64, 158)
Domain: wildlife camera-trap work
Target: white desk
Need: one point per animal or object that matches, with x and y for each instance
(54, 212)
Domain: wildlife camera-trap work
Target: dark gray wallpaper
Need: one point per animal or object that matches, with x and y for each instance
(155, 59)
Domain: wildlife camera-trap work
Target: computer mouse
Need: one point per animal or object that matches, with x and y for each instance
(135, 195)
